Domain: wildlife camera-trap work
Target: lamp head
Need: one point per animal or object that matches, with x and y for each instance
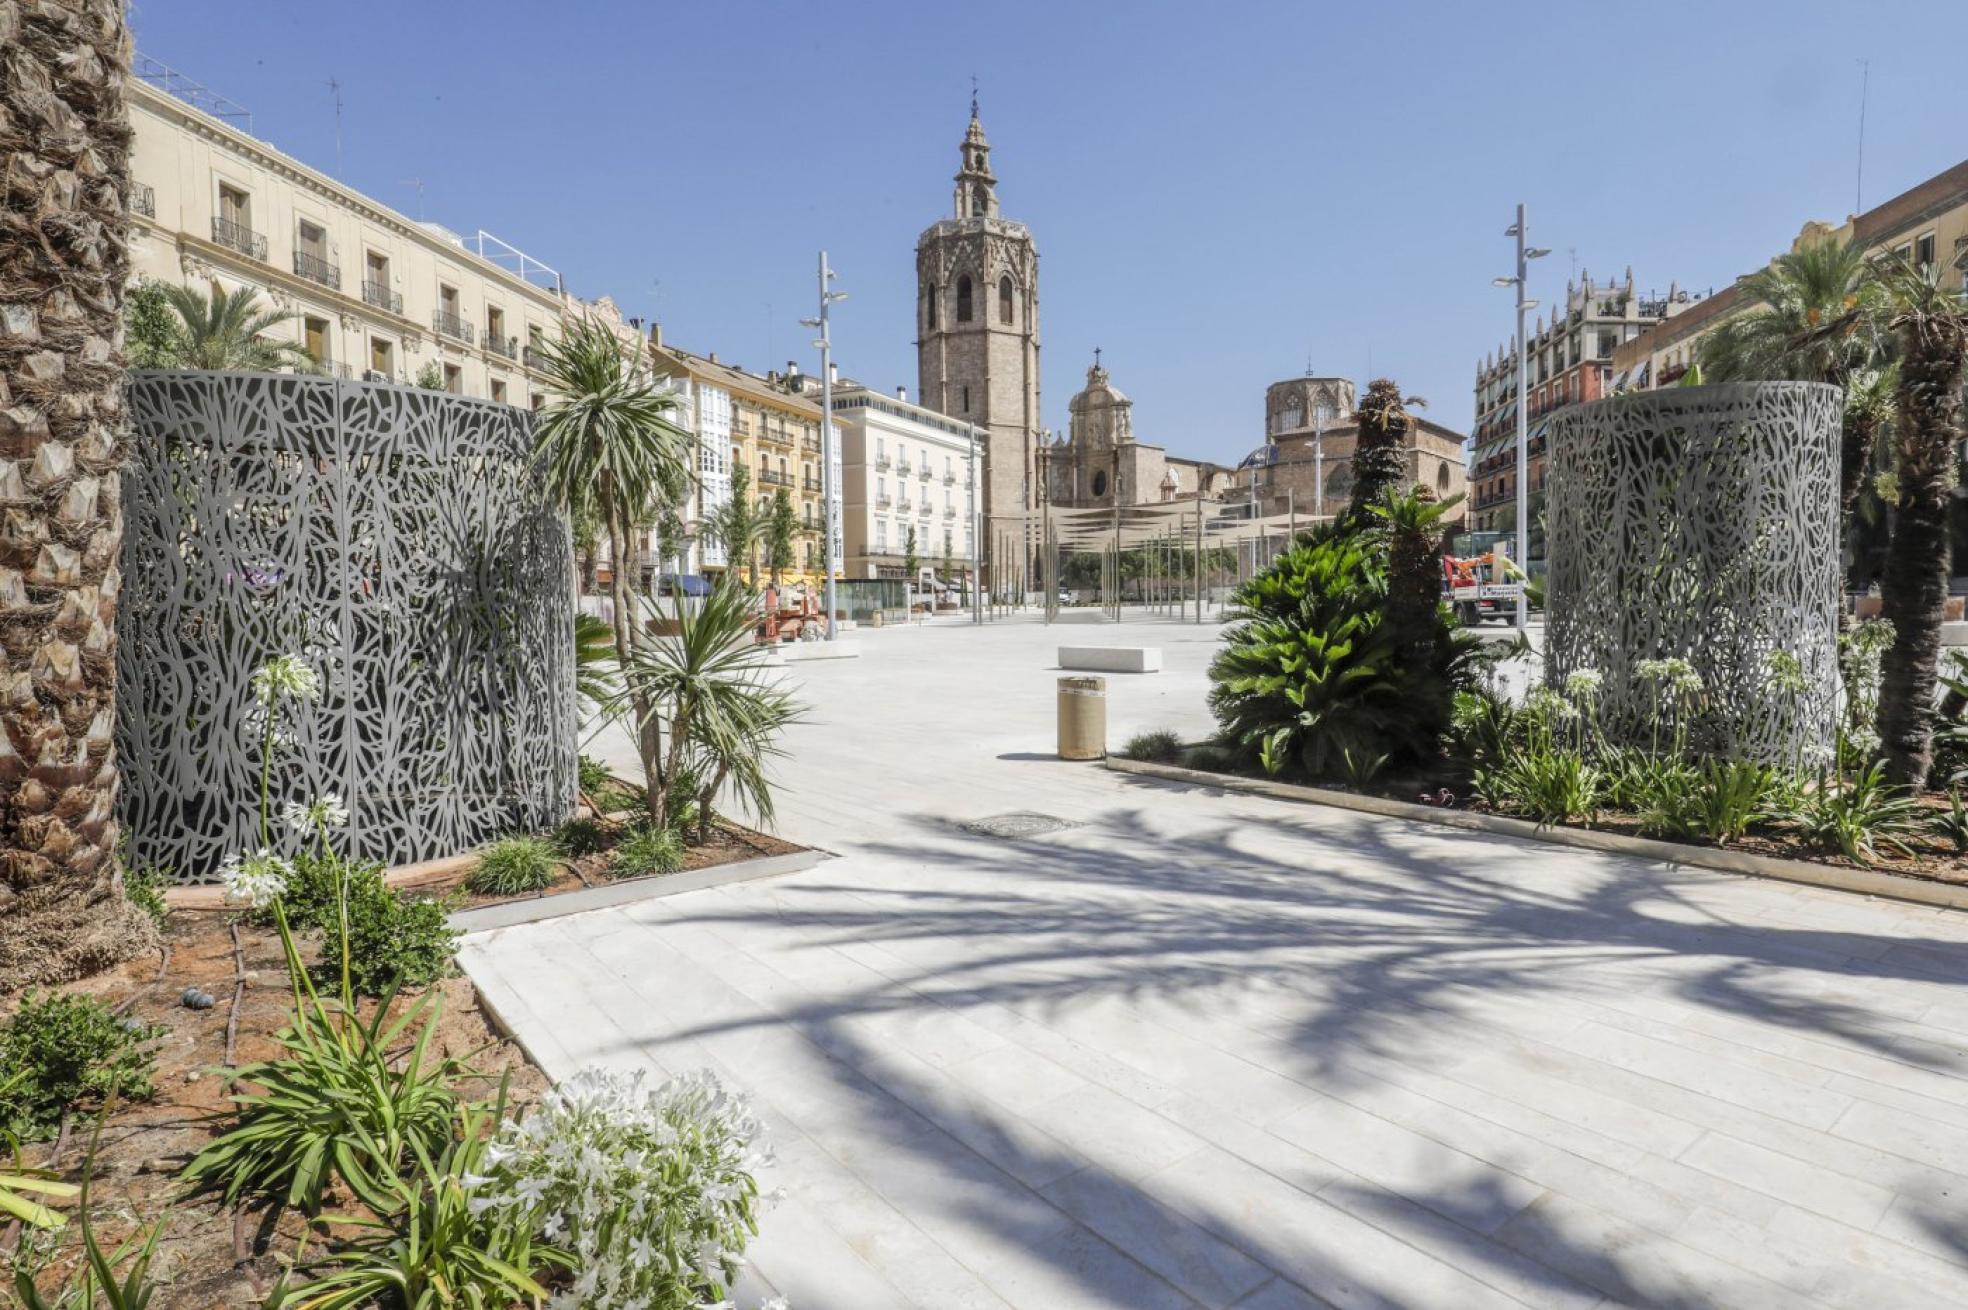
(810, 322)
(1503, 281)
(1510, 231)
(1535, 253)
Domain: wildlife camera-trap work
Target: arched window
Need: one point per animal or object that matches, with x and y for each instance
(963, 299)
(929, 305)
(1004, 300)
(1099, 482)
(1442, 478)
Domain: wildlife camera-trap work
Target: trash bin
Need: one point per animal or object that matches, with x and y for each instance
(1082, 718)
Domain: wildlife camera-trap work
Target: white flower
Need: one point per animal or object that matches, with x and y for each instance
(285, 674)
(256, 880)
(1583, 684)
(324, 811)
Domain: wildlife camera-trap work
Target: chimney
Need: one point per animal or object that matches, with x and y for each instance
(792, 368)
(901, 393)
(713, 357)
(833, 373)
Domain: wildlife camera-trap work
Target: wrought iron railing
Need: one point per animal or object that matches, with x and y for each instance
(507, 346)
(379, 295)
(534, 357)
(448, 323)
(881, 463)
(772, 478)
(237, 236)
(316, 269)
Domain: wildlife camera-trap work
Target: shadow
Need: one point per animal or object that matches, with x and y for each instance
(1336, 953)
(1027, 757)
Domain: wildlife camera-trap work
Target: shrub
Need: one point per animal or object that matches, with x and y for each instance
(594, 775)
(1485, 727)
(1719, 801)
(64, 1051)
(337, 1106)
(1209, 757)
(646, 849)
(1953, 824)
(582, 1165)
(1856, 815)
(394, 941)
(143, 887)
(513, 866)
(1547, 783)
(436, 1248)
(1161, 747)
(1318, 679)
(314, 886)
(582, 836)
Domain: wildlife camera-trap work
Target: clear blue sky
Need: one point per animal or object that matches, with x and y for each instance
(1219, 192)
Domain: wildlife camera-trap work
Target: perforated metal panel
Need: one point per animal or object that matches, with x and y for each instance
(396, 538)
(1701, 523)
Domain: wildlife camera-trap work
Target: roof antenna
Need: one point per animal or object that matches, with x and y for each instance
(335, 89)
(417, 182)
(1865, 85)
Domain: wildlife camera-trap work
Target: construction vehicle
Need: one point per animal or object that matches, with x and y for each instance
(1482, 586)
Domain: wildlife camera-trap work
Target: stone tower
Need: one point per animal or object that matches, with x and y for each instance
(977, 322)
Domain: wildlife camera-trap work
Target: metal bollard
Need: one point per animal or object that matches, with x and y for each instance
(1082, 718)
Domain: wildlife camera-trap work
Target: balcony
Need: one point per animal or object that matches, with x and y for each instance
(902, 469)
(949, 479)
(533, 357)
(949, 511)
(883, 503)
(811, 484)
(504, 346)
(446, 323)
(379, 295)
(810, 445)
(903, 506)
(237, 236)
(143, 200)
(775, 479)
(881, 463)
(772, 436)
(316, 269)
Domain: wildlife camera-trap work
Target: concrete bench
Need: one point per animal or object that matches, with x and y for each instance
(1112, 659)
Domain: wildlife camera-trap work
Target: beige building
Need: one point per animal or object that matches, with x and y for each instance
(1100, 463)
(770, 426)
(373, 293)
(1928, 224)
(905, 468)
(1305, 466)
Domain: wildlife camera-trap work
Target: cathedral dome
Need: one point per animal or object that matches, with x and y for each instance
(1101, 414)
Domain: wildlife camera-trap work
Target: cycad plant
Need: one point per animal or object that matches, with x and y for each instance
(226, 330)
(710, 685)
(609, 448)
(1930, 323)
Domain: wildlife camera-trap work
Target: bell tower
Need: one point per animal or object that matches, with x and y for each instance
(977, 331)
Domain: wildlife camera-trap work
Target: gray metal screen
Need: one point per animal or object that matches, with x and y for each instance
(1700, 523)
(396, 538)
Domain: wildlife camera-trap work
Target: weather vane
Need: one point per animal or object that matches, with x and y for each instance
(973, 95)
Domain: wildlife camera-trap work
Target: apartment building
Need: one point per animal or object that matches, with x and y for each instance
(767, 424)
(1927, 223)
(905, 468)
(372, 293)
(1570, 360)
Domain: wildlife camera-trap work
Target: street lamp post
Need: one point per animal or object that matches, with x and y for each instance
(829, 513)
(976, 532)
(1525, 254)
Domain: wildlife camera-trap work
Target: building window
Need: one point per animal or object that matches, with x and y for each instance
(539, 401)
(963, 299)
(314, 339)
(1004, 300)
(966, 400)
(498, 391)
(1442, 478)
(380, 353)
(1100, 482)
(1923, 252)
(929, 306)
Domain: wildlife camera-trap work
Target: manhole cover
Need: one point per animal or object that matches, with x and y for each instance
(1013, 826)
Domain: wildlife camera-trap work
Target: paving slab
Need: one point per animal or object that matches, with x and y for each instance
(1190, 1048)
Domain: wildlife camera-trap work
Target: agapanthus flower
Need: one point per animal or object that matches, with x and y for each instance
(324, 811)
(288, 675)
(1583, 684)
(1785, 670)
(256, 880)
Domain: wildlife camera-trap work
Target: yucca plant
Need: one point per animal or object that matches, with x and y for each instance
(436, 1250)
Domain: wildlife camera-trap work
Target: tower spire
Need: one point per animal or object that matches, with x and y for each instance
(973, 97)
(977, 194)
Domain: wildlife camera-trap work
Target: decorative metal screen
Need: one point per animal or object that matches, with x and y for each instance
(396, 538)
(1700, 523)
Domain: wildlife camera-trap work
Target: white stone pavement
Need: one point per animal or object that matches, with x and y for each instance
(1210, 1050)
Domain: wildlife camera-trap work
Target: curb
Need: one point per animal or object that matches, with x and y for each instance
(1865, 882)
(535, 909)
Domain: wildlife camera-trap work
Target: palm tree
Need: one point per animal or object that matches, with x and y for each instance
(1819, 319)
(1931, 324)
(1379, 462)
(62, 909)
(707, 680)
(609, 449)
(225, 331)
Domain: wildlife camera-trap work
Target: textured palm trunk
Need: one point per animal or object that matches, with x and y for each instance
(64, 157)
(1857, 434)
(1914, 586)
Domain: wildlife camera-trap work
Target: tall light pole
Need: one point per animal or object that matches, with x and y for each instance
(1319, 459)
(976, 532)
(1525, 254)
(829, 512)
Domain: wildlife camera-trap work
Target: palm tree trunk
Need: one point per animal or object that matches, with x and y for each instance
(64, 258)
(648, 732)
(1914, 585)
(1857, 435)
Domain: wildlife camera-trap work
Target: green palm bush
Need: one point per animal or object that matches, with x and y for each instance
(513, 866)
(226, 330)
(1322, 678)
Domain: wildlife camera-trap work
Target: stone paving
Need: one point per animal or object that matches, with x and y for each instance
(1214, 1050)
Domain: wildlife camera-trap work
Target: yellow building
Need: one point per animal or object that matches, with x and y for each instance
(372, 292)
(1928, 224)
(770, 426)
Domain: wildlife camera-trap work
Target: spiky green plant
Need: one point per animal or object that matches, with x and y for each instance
(226, 330)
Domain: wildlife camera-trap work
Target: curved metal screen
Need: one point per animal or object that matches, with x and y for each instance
(397, 539)
(1700, 523)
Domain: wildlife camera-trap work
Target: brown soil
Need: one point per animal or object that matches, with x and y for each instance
(728, 844)
(207, 1255)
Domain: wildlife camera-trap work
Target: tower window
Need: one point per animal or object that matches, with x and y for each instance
(1004, 300)
(929, 301)
(963, 299)
(966, 400)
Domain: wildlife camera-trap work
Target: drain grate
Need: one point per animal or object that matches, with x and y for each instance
(1011, 827)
